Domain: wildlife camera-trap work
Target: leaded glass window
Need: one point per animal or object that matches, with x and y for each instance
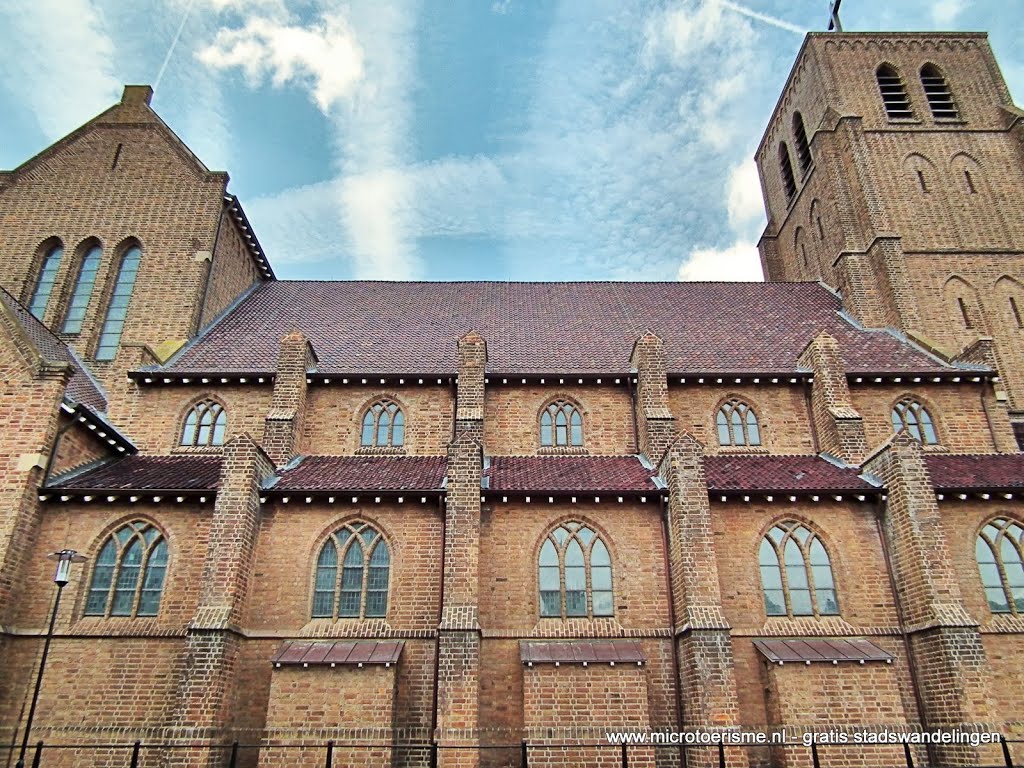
(117, 311)
(205, 424)
(796, 574)
(83, 290)
(128, 577)
(359, 587)
(737, 424)
(914, 418)
(575, 573)
(383, 425)
(47, 279)
(561, 425)
(1000, 554)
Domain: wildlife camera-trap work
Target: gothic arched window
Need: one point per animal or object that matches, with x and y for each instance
(117, 311)
(205, 424)
(936, 90)
(45, 282)
(786, 169)
(910, 415)
(894, 93)
(795, 573)
(561, 424)
(575, 573)
(803, 149)
(1000, 554)
(383, 425)
(83, 290)
(737, 424)
(357, 589)
(128, 577)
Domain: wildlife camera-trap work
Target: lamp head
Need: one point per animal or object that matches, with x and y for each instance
(64, 560)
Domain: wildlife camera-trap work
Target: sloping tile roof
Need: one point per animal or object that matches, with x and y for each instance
(581, 652)
(821, 649)
(148, 473)
(381, 327)
(780, 473)
(976, 472)
(364, 473)
(352, 653)
(583, 474)
(81, 387)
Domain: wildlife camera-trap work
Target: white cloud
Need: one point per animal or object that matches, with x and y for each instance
(58, 60)
(944, 12)
(740, 261)
(326, 55)
(501, 7)
(744, 200)
(374, 207)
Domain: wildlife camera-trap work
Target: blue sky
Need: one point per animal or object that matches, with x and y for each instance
(465, 139)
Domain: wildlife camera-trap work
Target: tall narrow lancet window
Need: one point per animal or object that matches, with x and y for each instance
(45, 282)
(786, 169)
(383, 426)
(205, 424)
(83, 290)
(737, 424)
(575, 573)
(910, 415)
(561, 425)
(796, 574)
(936, 90)
(803, 148)
(117, 311)
(359, 587)
(1000, 554)
(128, 577)
(894, 93)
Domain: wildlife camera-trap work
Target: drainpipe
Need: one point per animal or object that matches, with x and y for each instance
(672, 622)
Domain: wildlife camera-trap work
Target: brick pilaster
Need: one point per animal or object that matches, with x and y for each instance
(458, 674)
(702, 634)
(205, 692)
(469, 416)
(996, 398)
(839, 426)
(287, 408)
(948, 658)
(654, 421)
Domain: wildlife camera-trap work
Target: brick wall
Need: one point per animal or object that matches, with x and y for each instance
(232, 270)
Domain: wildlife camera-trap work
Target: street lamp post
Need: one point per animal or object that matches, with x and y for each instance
(64, 560)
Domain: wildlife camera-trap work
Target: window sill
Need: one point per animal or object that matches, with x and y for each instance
(202, 450)
(345, 627)
(904, 121)
(381, 450)
(775, 626)
(562, 450)
(741, 449)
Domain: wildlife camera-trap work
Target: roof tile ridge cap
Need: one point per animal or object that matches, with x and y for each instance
(216, 321)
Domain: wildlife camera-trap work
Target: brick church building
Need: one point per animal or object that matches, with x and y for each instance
(424, 520)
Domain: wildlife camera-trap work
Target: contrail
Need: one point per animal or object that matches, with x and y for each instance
(762, 17)
(174, 43)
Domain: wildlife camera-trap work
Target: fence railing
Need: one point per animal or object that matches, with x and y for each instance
(329, 754)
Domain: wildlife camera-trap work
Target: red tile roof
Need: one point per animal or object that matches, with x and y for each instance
(820, 649)
(381, 327)
(976, 472)
(364, 473)
(350, 653)
(583, 474)
(147, 473)
(81, 388)
(753, 473)
(582, 652)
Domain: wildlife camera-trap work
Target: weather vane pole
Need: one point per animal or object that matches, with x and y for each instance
(834, 23)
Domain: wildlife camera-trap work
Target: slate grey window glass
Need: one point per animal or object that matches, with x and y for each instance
(83, 290)
(561, 424)
(205, 424)
(359, 588)
(129, 573)
(796, 575)
(999, 551)
(383, 425)
(117, 310)
(737, 424)
(914, 418)
(575, 573)
(47, 279)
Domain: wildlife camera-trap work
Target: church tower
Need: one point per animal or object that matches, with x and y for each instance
(891, 170)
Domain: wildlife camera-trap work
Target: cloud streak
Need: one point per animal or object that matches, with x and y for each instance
(772, 20)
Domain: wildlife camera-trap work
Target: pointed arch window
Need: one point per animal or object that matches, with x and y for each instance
(786, 169)
(910, 415)
(128, 577)
(352, 574)
(117, 311)
(83, 290)
(796, 574)
(561, 425)
(1000, 554)
(47, 279)
(803, 148)
(936, 90)
(205, 424)
(737, 424)
(575, 573)
(383, 426)
(894, 93)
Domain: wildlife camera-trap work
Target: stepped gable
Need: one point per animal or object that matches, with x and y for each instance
(383, 327)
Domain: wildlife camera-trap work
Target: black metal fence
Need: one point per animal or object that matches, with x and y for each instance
(332, 754)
